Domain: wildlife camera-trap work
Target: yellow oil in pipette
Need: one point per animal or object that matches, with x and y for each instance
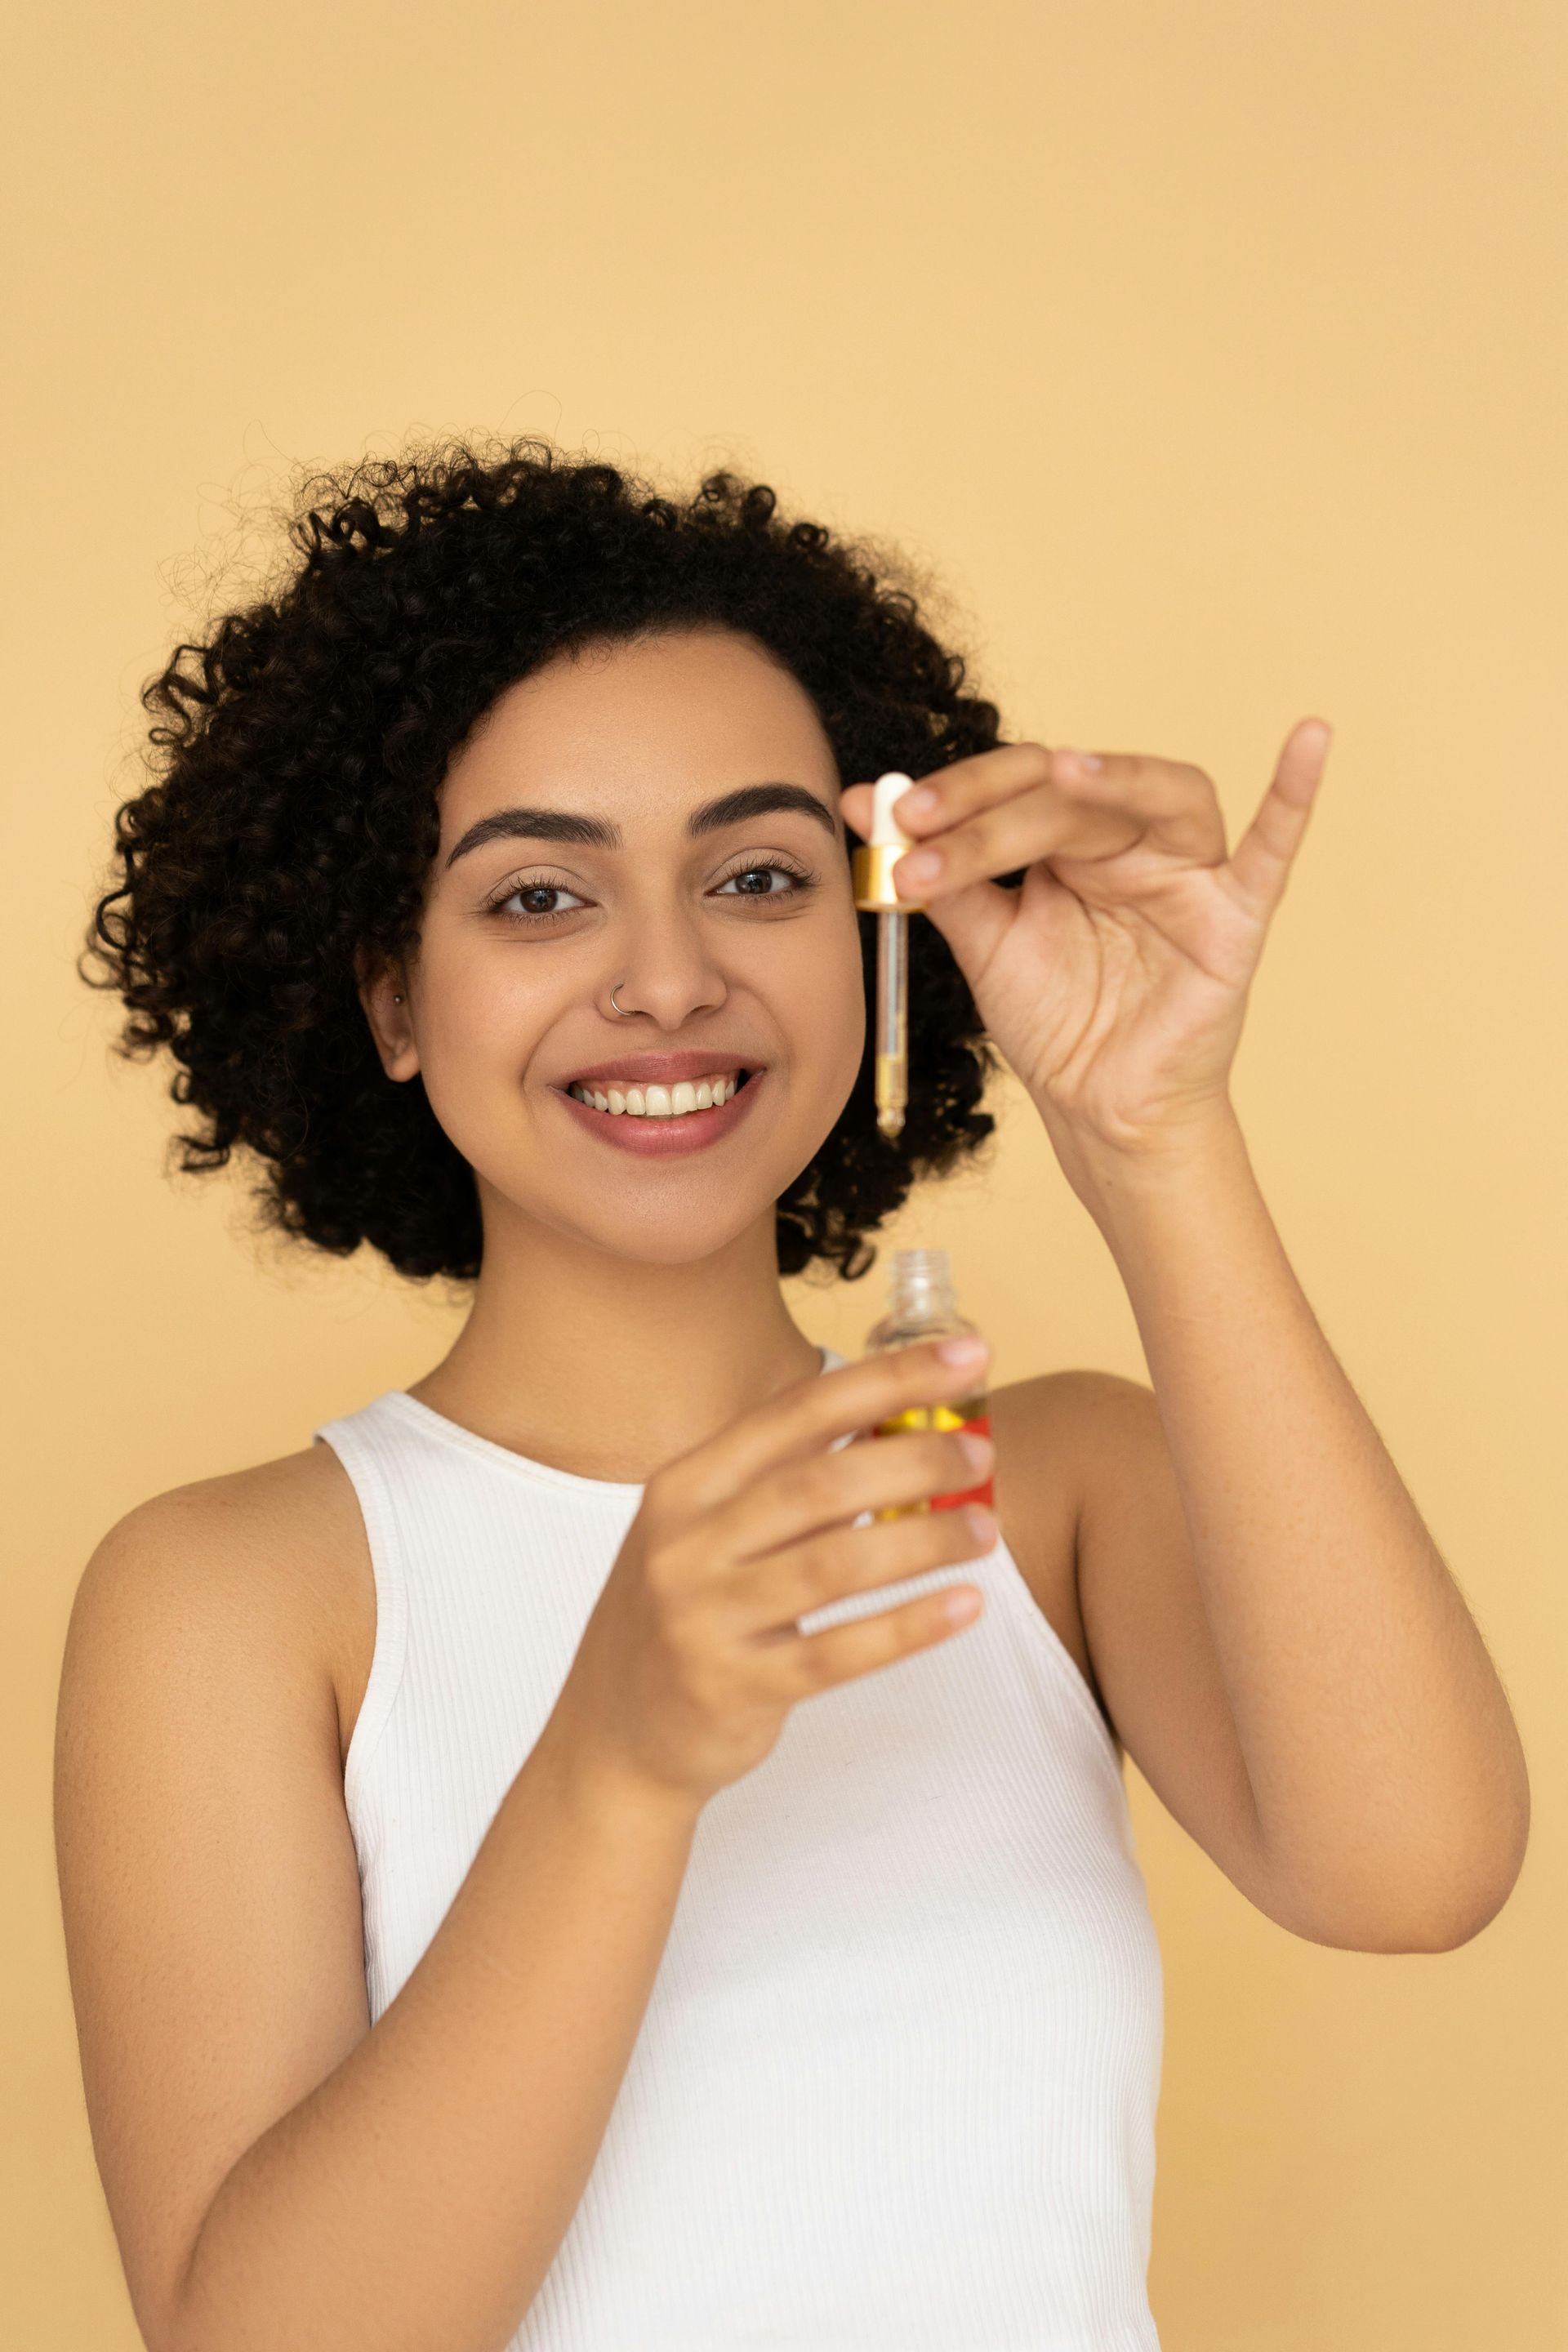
(871, 869)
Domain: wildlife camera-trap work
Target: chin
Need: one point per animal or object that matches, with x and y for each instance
(683, 1237)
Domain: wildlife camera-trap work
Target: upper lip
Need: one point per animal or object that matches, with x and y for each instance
(662, 1069)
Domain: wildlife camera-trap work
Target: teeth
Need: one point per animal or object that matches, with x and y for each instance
(658, 1102)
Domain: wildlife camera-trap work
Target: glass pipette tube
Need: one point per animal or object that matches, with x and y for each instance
(874, 893)
(892, 1020)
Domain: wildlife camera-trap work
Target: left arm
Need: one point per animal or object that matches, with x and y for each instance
(1272, 1626)
(1390, 1799)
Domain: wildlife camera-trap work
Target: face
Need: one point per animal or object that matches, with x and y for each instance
(658, 818)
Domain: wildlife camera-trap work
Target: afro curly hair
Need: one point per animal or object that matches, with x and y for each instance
(298, 756)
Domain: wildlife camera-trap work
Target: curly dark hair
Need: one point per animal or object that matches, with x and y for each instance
(298, 754)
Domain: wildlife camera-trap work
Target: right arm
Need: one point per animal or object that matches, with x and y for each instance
(283, 2176)
(422, 2190)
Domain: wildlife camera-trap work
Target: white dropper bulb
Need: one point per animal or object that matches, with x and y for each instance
(886, 831)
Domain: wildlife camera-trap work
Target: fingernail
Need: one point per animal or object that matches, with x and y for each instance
(977, 1449)
(982, 1522)
(919, 803)
(1089, 760)
(968, 1347)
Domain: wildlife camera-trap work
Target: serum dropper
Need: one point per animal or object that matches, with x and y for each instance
(872, 866)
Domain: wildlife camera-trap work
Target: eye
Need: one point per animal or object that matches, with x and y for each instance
(539, 902)
(757, 880)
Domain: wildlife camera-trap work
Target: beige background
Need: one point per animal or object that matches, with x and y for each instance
(1212, 356)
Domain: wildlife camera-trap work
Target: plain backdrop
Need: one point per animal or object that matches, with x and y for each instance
(1208, 359)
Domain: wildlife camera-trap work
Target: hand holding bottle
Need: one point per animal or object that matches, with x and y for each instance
(691, 1658)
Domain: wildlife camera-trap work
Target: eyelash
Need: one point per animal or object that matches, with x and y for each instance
(802, 881)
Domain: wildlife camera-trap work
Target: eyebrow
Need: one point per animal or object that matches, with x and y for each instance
(598, 832)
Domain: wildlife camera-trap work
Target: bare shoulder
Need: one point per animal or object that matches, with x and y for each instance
(1064, 1434)
(273, 1555)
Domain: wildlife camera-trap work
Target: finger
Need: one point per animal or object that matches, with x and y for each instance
(1261, 865)
(1165, 793)
(974, 920)
(960, 790)
(806, 1417)
(824, 1490)
(1076, 813)
(840, 1653)
(767, 1596)
(1039, 822)
(1008, 767)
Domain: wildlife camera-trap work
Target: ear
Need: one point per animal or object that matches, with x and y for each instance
(384, 994)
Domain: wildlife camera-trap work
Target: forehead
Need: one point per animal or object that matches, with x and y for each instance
(651, 726)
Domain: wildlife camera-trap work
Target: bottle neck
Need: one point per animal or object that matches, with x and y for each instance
(922, 1288)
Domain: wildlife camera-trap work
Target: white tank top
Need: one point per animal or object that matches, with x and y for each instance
(894, 2087)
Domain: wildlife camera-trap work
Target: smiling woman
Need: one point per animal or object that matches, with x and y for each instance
(494, 896)
(325, 727)
(508, 1896)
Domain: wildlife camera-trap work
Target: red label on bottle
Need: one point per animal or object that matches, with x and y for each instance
(968, 1412)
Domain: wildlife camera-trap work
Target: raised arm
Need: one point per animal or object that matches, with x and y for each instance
(1273, 1628)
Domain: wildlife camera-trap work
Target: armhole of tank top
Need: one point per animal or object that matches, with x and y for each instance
(354, 1451)
(1066, 1666)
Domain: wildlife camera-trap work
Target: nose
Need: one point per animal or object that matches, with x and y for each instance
(665, 970)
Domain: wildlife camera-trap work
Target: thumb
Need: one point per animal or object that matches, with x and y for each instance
(973, 921)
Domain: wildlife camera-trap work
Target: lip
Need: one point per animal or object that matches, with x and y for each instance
(660, 1139)
(660, 1069)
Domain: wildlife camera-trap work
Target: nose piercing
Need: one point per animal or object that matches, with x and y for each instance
(619, 1008)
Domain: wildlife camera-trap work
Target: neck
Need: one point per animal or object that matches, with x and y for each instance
(609, 1366)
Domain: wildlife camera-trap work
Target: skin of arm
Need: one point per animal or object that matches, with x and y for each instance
(1284, 1650)
(282, 2176)
(1270, 1620)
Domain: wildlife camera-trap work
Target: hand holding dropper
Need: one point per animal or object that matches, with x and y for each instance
(872, 868)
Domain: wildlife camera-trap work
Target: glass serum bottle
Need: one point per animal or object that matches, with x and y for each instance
(921, 1306)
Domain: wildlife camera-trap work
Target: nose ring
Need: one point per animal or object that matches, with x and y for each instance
(619, 1008)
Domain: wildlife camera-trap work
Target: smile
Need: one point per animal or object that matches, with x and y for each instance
(661, 1117)
(660, 1102)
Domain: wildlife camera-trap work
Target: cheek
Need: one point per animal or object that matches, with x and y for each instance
(482, 1017)
(823, 1010)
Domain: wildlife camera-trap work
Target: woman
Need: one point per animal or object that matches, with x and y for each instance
(543, 1864)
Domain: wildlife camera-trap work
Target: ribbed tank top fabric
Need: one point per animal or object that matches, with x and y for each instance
(894, 2087)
